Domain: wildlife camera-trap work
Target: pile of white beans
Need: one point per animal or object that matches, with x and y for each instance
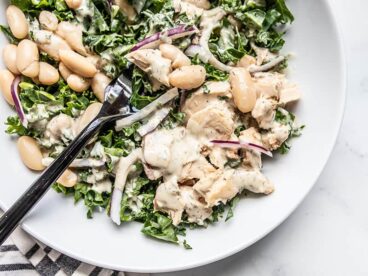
(62, 41)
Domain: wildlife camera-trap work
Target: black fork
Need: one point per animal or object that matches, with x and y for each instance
(116, 106)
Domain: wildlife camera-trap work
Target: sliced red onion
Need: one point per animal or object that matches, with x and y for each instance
(268, 66)
(154, 121)
(209, 22)
(153, 41)
(115, 205)
(241, 144)
(125, 166)
(197, 50)
(149, 109)
(18, 105)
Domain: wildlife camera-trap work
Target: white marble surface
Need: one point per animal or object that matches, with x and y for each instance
(328, 233)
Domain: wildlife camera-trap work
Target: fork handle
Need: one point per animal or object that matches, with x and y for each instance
(12, 217)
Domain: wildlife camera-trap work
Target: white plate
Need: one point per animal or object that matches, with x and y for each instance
(318, 67)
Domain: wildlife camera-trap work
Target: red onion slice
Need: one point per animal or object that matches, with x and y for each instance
(18, 105)
(154, 121)
(241, 144)
(153, 41)
(149, 109)
(116, 198)
(196, 49)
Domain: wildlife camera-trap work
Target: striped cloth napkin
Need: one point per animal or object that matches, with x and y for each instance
(23, 255)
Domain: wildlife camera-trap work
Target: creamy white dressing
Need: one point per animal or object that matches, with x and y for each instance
(102, 186)
(170, 150)
(168, 199)
(38, 113)
(209, 21)
(253, 181)
(85, 10)
(197, 211)
(217, 187)
(264, 112)
(152, 62)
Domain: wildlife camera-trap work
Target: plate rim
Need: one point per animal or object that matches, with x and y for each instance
(242, 246)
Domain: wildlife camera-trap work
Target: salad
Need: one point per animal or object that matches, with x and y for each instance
(217, 64)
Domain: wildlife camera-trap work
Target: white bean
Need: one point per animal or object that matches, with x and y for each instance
(88, 116)
(51, 43)
(177, 57)
(73, 34)
(188, 77)
(77, 63)
(95, 60)
(49, 75)
(48, 21)
(30, 153)
(10, 58)
(243, 89)
(99, 83)
(73, 4)
(17, 22)
(6, 80)
(64, 71)
(78, 83)
(68, 179)
(28, 58)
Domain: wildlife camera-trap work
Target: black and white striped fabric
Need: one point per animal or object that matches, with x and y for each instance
(22, 255)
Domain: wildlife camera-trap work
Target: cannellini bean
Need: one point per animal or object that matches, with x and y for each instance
(246, 61)
(17, 22)
(49, 75)
(99, 83)
(48, 21)
(10, 58)
(243, 90)
(77, 63)
(177, 57)
(64, 71)
(73, 4)
(30, 153)
(68, 179)
(28, 58)
(88, 115)
(6, 80)
(95, 60)
(51, 43)
(188, 77)
(73, 34)
(78, 83)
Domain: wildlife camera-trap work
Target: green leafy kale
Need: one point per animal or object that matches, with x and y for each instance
(91, 198)
(287, 118)
(142, 89)
(34, 7)
(211, 72)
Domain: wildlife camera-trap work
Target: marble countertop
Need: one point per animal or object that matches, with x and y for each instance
(328, 233)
